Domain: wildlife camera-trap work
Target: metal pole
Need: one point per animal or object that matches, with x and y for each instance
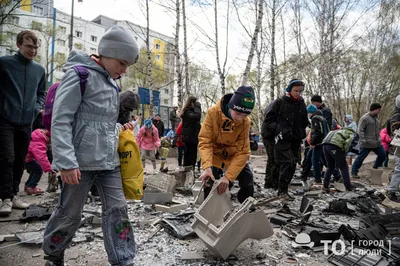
(71, 35)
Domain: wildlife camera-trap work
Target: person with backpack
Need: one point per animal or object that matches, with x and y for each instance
(224, 143)
(287, 120)
(326, 112)
(148, 141)
(84, 136)
(319, 129)
(22, 94)
(335, 147)
(369, 129)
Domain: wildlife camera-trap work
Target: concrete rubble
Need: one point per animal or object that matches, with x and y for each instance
(174, 225)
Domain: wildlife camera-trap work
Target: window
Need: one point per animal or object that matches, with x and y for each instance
(78, 46)
(166, 101)
(157, 57)
(36, 25)
(60, 58)
(158, 46)
(12, 36)
(92, 50)
(63, 30)
(61, 42)
(93, 38)
(13, 20)
(38, 10)
(78, 34)
(59, 68)
(166, 91)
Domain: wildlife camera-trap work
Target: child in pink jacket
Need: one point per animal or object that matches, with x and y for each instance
(386, 144)
(148, 141)
(36, 161)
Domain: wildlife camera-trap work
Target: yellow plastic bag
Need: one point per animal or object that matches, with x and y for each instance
(131, 165)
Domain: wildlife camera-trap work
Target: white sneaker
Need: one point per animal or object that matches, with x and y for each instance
(17, 203)
(6, 207)
(155, 172)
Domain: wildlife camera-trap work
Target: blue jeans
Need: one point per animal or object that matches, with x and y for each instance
(386, 162)
(119, 240)
(318, 161)
(35, 173)
(381, 155)
(395, 181)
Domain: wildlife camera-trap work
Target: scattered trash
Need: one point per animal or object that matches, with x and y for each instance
(36, 212)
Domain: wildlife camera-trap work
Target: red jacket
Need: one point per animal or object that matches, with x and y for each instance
(385, 139)
(178, 132)
(38, 148)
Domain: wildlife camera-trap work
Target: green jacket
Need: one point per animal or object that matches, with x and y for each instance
(341, 138)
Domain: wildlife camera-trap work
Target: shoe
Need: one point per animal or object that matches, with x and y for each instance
(33, 190)
(356, 176)
(164, 170)
(52, 183)
(17, 203)
(154, 172)
(393, 197)
(54, 261)
(268, 185)
(6, 207)
(325, 190)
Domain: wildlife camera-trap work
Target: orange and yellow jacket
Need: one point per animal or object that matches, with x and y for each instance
(223, 142)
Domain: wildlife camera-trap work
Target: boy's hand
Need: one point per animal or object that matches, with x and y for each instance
(71, 177)
(223, 185)
(206, 175)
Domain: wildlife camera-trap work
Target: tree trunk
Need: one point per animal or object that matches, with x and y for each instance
(185, 49)
(149, 67)
(221, 73)
(253, 42)
(178, 57)
(272, 67)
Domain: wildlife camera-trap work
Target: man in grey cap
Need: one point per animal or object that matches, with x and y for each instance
(85, 141)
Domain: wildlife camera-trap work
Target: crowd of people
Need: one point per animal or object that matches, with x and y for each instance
(80, 143)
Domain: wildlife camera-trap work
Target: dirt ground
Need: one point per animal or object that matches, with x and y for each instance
(163, 249)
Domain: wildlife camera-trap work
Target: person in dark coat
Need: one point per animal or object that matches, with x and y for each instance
(326, 112)
(190, 115)
(22, 95)
(159, 124)
(174, 118)
(288, 120)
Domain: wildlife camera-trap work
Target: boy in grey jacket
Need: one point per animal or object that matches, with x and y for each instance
(85, 141)
(370, 140)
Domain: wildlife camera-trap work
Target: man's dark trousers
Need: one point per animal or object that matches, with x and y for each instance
(245, 178)
(271, 173)
(14, 144)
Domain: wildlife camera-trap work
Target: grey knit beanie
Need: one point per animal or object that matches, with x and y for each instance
(118, 43)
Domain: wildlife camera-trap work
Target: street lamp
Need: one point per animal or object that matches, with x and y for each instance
(71, 35)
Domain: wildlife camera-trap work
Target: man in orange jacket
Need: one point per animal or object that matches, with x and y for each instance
(224, 143)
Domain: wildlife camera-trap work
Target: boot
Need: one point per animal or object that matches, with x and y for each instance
(52, 183)
(162, 166)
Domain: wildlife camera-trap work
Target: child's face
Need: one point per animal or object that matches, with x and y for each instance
(115, 67)
(237, 116)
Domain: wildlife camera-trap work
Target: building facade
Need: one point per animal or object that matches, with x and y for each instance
(46, 21)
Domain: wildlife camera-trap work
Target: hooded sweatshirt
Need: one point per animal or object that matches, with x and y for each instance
(352, 124)
(147, 139)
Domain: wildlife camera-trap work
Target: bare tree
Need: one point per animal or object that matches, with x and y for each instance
(185, 49)
(178, 56)
(254, 41)
(221, 70)
(7, 8)
(149, 63)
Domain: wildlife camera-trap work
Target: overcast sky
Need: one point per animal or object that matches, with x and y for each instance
(163, 20)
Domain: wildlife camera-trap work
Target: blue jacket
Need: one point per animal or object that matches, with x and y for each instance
(22, 89)
(83, 130)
